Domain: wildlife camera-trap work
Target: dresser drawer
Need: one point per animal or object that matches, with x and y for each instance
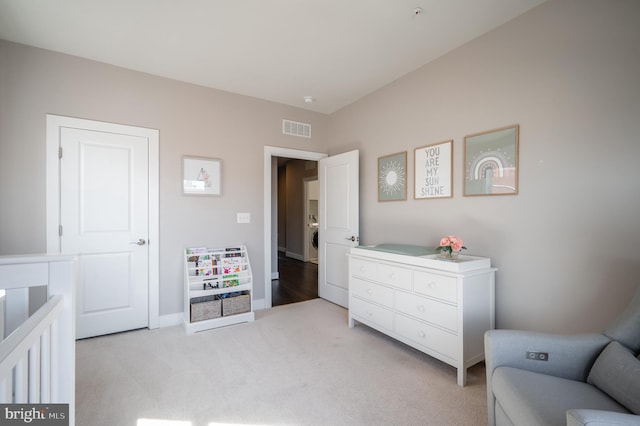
(435, 285)
(427, 336)
(364, 269)
(395, 276)
(371, 313)
(373, 292)
(433, 311)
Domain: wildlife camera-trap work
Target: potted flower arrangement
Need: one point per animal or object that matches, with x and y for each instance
(450, 247)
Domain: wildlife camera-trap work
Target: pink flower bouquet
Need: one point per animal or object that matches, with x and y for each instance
(450, 245)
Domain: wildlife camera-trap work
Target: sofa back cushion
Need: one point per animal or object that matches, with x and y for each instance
(626, 329)
(616, 372)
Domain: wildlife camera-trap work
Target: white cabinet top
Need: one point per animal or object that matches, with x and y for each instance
(36, 258)
(422, 256)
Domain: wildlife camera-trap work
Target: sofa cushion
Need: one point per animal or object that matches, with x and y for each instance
(626, 329)
(584, 417)
(617, 373)
(529, 398)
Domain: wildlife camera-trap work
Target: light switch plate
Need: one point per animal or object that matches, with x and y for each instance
(244, 217)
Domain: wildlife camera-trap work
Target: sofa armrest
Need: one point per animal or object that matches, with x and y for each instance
(600, 418)
(569, 356)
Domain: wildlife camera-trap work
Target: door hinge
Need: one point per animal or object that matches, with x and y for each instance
(60, 230)
(59, 152)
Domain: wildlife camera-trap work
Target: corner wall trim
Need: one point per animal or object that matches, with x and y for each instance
(170, 320)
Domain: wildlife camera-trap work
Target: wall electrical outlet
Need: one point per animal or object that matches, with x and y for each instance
(244, 217)
(538, 356)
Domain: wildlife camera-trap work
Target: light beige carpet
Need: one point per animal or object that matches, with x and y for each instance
(296, 364)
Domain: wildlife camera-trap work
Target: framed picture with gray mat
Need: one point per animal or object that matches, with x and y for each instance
(392, 177)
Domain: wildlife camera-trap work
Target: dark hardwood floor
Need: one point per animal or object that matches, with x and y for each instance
(298, 281)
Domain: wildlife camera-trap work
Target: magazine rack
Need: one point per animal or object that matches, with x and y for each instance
(218, 286)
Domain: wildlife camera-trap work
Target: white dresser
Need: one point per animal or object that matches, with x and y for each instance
(439, 307)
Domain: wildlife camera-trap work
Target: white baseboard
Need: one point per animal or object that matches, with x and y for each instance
(170, 320)
(294, 256)
(258, 304)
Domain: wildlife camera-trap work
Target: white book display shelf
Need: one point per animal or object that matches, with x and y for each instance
(218, 287)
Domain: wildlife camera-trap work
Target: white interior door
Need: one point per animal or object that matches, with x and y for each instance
(104, 204)
(338, 178)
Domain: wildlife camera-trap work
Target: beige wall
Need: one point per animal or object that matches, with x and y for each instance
(192, 120)
(569, 73)
(294, 208)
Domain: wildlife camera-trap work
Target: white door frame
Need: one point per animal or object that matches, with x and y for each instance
(54, 124)
(270, 152)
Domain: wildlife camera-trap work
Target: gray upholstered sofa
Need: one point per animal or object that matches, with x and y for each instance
(549, 379)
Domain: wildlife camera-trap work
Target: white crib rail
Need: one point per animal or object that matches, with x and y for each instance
(37, 360)
(30, 352)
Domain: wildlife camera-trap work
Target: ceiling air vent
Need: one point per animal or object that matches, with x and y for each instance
(295, 128)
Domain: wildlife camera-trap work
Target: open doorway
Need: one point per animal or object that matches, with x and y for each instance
(338, 203)
(271, 155)
(296, 201)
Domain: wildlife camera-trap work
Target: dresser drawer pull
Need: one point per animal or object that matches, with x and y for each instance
(432, 284)
(369, 313)
(363, 269)
(421, 308)
(369, 291)
(392, 276)
(422, 334)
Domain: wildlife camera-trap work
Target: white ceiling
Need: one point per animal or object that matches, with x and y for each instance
(280, 50)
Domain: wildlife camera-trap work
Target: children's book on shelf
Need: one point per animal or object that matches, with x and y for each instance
(230, 281)
(204, 266)
(233, 252)
(210, 284)
(196, 250)
(231, 265)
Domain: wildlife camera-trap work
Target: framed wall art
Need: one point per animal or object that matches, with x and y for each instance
(200, 176)
(392, 177)
(491, 162)
(433, 170)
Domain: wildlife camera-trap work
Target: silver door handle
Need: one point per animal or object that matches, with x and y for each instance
(353, 238)
(140, 242)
